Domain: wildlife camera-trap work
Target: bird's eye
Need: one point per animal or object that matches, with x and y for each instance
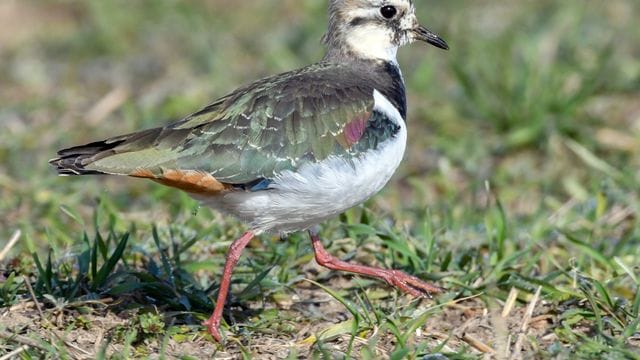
(388, 12)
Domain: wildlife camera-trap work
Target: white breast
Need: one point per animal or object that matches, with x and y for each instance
(315, 192)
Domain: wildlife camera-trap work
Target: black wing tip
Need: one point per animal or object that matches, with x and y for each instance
(72, 161)
(71, 166)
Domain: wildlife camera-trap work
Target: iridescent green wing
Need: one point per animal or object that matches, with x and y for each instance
(273, 125)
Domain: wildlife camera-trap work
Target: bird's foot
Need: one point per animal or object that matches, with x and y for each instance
(396, 278)
(409, 284)
(213, 327)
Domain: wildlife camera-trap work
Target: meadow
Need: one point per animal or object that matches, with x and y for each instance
(519, 192)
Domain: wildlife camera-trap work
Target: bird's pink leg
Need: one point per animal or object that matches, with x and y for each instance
(405, 282)
(233, 255)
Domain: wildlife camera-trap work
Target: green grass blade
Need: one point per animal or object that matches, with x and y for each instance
(166, 264)
(254, 283)
(111, 263)
(595, 310)
(589, 250)
(43, 278)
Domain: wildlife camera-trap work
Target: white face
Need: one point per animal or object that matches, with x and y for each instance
(376, 28)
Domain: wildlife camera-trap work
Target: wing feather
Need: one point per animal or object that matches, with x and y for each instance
(272, 125)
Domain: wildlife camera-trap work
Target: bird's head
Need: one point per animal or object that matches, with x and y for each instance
(374, 29)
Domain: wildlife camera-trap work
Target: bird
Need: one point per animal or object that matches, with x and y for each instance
(285, 153)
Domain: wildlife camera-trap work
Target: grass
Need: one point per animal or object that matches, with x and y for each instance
(518, 194)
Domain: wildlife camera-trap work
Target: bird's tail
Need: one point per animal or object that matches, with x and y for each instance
(121, 155)
(72, 161)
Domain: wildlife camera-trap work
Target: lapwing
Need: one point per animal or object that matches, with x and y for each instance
(290, 151)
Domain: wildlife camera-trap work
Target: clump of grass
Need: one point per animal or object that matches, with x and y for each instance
(9, 290)
(105, 266)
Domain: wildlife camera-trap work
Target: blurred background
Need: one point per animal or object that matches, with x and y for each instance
(540, 99)
(522, 171)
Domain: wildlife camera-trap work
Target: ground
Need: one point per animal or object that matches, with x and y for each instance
(462, 324)
(518, 194)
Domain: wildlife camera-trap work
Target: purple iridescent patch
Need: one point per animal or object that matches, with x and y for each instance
(354, 130)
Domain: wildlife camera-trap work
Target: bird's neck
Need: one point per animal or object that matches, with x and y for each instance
(361, 49)
(362, 43)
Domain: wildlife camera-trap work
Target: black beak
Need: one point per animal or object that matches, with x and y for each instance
(426, 35)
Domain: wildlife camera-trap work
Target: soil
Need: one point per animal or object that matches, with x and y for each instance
(467, 324)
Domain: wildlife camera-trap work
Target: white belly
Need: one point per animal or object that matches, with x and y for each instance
(318, 191)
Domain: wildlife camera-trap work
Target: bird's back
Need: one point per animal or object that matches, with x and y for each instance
(304, 132)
